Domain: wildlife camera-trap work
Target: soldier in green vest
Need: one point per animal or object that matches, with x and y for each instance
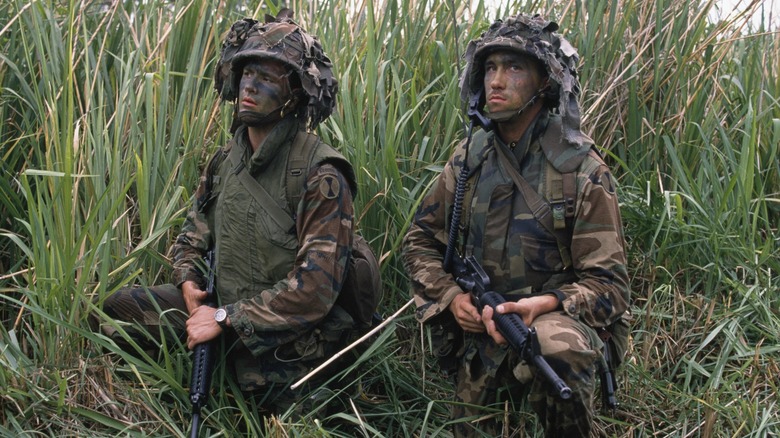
(275, 205)
(538, 210)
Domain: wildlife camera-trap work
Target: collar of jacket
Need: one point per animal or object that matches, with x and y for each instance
(564, 155)
(280, 137)
(520, 148)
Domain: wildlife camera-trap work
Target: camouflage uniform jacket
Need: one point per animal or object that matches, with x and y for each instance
(275, 284)
(520, 255)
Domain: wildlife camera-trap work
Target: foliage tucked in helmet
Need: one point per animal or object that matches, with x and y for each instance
(279, 39)
(536, 37)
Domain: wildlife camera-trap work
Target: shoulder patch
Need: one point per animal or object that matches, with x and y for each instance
(330, 187)
(607, 183)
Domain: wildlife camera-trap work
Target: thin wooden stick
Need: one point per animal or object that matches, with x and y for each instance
(352, 345)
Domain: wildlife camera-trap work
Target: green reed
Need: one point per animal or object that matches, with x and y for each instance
(108, 115)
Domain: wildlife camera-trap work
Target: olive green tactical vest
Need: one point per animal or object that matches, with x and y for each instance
(253, 252)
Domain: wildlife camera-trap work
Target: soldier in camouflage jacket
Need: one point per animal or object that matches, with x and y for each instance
(521, 80)
(277, 285)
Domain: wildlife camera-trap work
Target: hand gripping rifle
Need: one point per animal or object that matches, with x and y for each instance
(203, 358)
(472, 277)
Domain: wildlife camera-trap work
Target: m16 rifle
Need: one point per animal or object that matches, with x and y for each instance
(608, 381)
(471, 277)
(203, 357)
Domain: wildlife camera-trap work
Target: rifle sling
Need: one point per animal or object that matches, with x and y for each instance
(536, 203)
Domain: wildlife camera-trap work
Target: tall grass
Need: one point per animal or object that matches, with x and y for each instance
(108, 114)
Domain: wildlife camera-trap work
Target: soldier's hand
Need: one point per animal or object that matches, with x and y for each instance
(528, 309)
(466, 314)
(201, 326)
(490, 325)
(193, 295)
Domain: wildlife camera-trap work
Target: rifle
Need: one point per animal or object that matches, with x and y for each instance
(470, 276)
(203, 358)
(608, 381)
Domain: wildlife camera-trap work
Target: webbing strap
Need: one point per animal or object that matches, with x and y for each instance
(570, 193)
(538, 206)
(301, 153)
(561, 191)
(262, 197)
(554, 184)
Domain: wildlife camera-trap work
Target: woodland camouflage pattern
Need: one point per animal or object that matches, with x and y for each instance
(527, 260)
(283, 40)
(536, 37)
(522, 257)
(276, 285)
(491, 383)
(279, 286)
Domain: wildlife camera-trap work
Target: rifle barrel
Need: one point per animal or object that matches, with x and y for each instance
(608, 381)
(195, 425)
(560, 386)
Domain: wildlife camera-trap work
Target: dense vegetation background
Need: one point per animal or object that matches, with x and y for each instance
(107, 114)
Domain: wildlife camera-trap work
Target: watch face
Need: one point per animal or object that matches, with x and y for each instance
(220, 315)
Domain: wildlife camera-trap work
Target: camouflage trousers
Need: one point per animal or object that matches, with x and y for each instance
(491, 376)
(155, 317)
(151, 316)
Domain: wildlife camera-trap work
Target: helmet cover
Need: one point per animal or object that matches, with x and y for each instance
(282, 40)
(536, 37)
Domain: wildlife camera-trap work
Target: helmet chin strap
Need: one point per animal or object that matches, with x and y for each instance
(507, 115)
(256, 119)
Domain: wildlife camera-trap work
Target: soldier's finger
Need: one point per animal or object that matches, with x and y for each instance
(509, 307)
(487, 313)
(492, 330)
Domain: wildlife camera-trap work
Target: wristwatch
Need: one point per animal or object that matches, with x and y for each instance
(221, 317)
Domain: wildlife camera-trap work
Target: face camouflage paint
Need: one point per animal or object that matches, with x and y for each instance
(264, 89)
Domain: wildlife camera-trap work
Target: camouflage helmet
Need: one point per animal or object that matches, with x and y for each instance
(536, 37)
(283, 40)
